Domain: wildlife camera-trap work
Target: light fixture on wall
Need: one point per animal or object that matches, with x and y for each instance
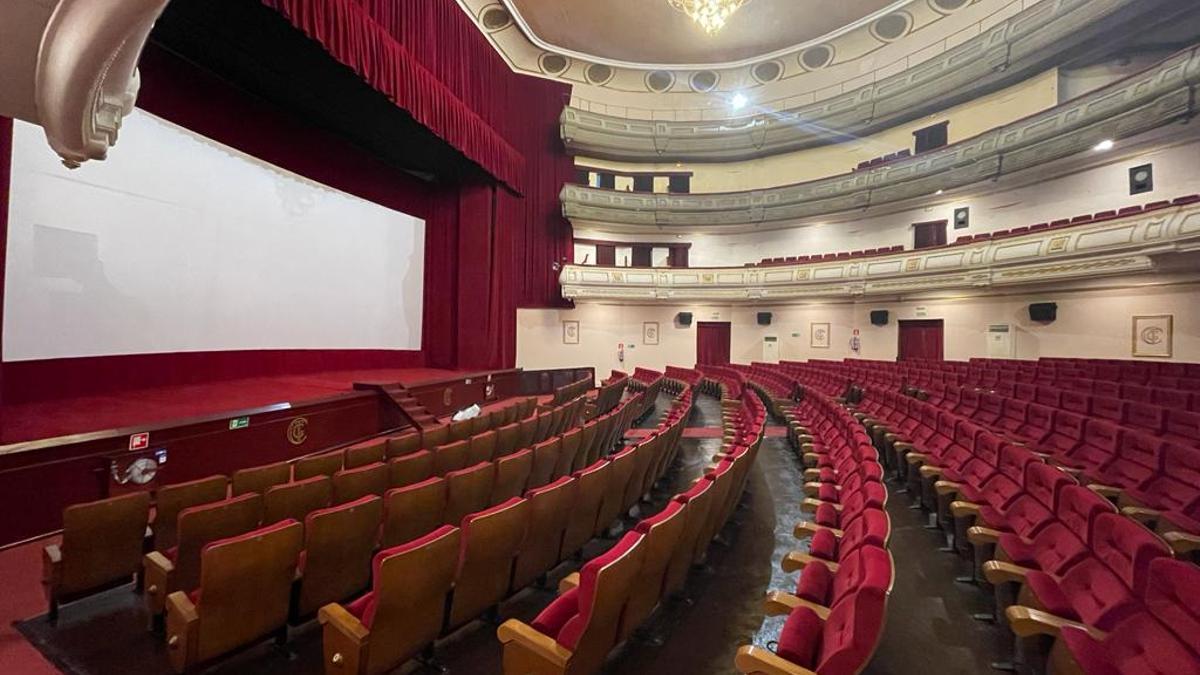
(710, 14)
(1104, 145)
(738, 101)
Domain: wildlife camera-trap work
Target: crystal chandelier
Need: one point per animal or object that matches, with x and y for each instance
(710, 14)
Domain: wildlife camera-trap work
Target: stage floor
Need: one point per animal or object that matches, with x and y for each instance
(63, 417)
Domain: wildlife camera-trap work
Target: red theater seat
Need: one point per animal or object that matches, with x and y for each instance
(840, 642)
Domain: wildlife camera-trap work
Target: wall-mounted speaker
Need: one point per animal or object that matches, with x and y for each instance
(764, 318)
(684, 318)
(1141, 179)
(1043, 311)
(879, 317)
(962, 217)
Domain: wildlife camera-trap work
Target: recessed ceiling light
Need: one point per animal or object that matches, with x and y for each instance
(738, 101)
(1103, 145)
(939, 192)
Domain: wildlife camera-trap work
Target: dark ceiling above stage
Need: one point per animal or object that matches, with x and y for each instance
(257, 50)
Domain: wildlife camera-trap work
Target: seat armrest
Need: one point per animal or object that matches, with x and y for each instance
(779, 603)
(930, 471)
(961, 509)
(980, 535)
(812, 474)
(901, 445)
(1182, 543)
(812, 488)
(999, 572)
(345, 640)
(797, 560)
(158, 572)
(183, 628)
(1106, 491)
(946, 487)
(1141, 514)
(807, 528)
(569, 582)
(1027, 622)
(751, 659)
(533, 645)
(51, 569)
(916, 457)
(810, 505)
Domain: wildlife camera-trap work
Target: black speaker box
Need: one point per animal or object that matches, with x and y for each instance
(684, 318)
(1141, 179)
(764, 318)
(1043, 311)
(879, 317)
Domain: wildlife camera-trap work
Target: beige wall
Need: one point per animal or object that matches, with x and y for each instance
(970, 119)
(1093, 323)
(1013, 201)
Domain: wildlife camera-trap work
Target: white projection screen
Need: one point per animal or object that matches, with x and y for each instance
(177, 243)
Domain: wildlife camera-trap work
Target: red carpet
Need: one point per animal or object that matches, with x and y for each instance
(20, 568)
(47, 419)
(706, 432)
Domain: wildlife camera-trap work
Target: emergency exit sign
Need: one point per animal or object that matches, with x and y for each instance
(239, 423)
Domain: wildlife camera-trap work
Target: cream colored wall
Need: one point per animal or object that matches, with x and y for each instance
(1005, 204)
(1092, 323)
(970, 119)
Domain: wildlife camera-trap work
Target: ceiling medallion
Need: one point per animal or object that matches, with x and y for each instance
(710, 14)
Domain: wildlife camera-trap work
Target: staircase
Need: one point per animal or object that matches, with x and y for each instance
(409, 410)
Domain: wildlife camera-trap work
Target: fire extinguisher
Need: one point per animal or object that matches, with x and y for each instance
(621, 352)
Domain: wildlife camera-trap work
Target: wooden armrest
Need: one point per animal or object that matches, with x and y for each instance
(158, 572)
(345, 640)
(183, 627)
(51, 567)
(998, 572)
(915, 457)
(1182, 543)
(569, 582)
(807, 528)
(812, 474)
(542, 647)
(779, 603)
(1027, 622)
(796, 560)
(961, 509)
(1106, 491)
(804, 439)
(1070, 471)
(980, 535)
(1141, 514)
(946, 487)
(810, 505)
(901, 445)
(813, 488)
(336, 617)
(930, 471)
(751, 659)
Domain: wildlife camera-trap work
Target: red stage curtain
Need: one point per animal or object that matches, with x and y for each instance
(6, 125)
(921, 339)
(712, 343)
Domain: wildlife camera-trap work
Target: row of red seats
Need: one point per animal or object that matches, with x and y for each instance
(1184, 376)
(1079, 566)
(836, 614)
(824, 257)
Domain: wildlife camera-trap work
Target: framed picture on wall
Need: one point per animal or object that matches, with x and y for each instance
(1153, 335)
(570, 332)
(649, 332)
(819, 336)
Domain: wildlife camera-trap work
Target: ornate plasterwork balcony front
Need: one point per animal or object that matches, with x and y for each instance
(1158, 96)
(71, 67)
(1118, 246)
(1032, 40)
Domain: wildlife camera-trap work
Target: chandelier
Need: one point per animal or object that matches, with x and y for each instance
(710, 14)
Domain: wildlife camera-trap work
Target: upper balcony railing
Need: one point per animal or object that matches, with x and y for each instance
(1003, 53)
(1158, 96)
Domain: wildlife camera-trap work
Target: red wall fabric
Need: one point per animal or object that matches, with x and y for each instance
(712, 343)
(6, 125)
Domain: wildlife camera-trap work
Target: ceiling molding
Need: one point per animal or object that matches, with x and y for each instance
(1119, 246)
(1161, 95)
(1031, 41)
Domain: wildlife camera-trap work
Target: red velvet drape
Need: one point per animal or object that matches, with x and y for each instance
(921, 339)
(6, 125)
(712, 343)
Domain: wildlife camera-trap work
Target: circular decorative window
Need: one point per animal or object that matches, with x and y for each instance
(704, 81)
(891, 27)
(553, 64)
(815, 58)
(495, 17)
(768, 71)
(948, 6)
(660, 80)
(598, 73)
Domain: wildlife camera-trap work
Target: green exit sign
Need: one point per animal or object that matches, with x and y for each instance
(239, 423)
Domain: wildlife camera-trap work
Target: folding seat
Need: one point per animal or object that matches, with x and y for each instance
(1026, 391)
(260, 478)
(700, 501)
(1014, 416)
(545, 460)
(621, 467)
(243, 587)
(571, 456)
(575, 633)
(491, 540)
(592, 482)
(450, 457)
(1173, 485)
(404, 444)
(830, 545)
(178, 568)
(410, 469)
(296, 500)
(1172, 398)
(1099, 446)
(1076, 402)
(482, 447)
(996, 492)
(1145, 417)
(1136, 459)
(866, 567)
(512, 476)
(840, 640)
(662, 533)
(991, 408)
(541, 427)
(325, 464)
(336, 561)
(351, 484)
(367, 452)
(1066, 434)
(550, 507)
(170, 500)
(1183, 427)
(480, 423)
(458, 431)
(1039, 422)
(526, 432)
(635, 487)
(402, 614)
(468, 491)
(1157, 637)
(1049, 397)
(102, 546)
(968, 404)
(506, 440)
(1106, 388)
(435, 436)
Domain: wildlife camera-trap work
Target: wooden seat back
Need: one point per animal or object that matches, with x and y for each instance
(545, 459)
(101, 543)
(460, 430)
(550, 509)
(491, 541)
(338, 544)
(435, 436)
(296, 500)
(468, 491)
(325, 464)
(568, 457)
(367, 452)
(201, 525)
(662, 533)
(260, 478)
(512, 475)
(450, 457)
(506, 439)
(482, 448)
(413, 511)
(404, 444)
(593, 481)
(169, 500)
(619, 475)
